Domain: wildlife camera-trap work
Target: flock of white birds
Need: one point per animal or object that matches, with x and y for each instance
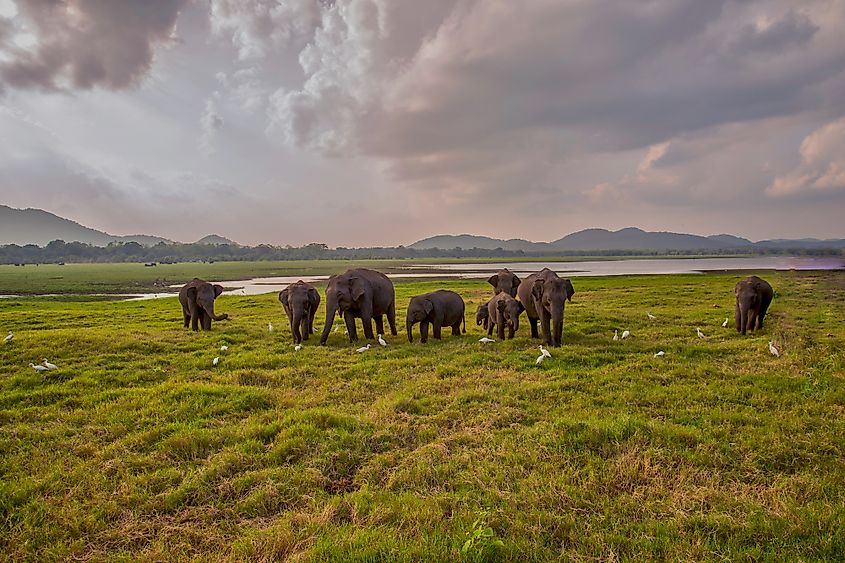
(773, 350)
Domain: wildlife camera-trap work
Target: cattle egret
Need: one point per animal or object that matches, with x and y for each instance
(335, 329)
(9, 337)
(48, 365)
(381, 341)
(224, 348)
(215, 361)
(660, 354)
(298, 347)
(699, 333)
(39, 369)
(540, 359)
(651, 317)
(772, 350)
(363, 349)
(626, 334)
(544, 352)
(485, 340)
(270, 327)
(616, 335)
(724, 324)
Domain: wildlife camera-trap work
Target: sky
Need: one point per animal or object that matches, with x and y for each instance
(380, 122)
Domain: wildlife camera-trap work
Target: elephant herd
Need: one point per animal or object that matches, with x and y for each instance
(369, 295)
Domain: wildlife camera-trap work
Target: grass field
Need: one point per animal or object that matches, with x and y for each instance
(137, 448)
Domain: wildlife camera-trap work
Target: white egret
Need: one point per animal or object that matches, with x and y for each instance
(9, 337)
(298, 347)
(48, 365)
(270, 327)
(540, 359)
(224, 348)
(651, 317)
(724, 324)
(699, 333)
(215, 361)
(660, 354)
(381, 341)
(485, 340)
(772, 350)
(363, 349)
(626, 334)
(615, 335)
(39, 369)
(544, 352)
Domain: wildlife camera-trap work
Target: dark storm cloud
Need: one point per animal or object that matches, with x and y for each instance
(86, 43)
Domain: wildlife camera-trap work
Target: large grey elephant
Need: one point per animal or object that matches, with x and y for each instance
(439, 308)
(753, 297)
(544, 295)
(197, 299)
(300, 301)
(504, 281)
(364, 294)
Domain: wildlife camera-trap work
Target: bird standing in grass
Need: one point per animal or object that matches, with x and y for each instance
(224, 348)
(48, 365)
(381, 340)
(724, 324)
(363, 349)
(9, 337)
(650, 316)
(39, 369)
(215, 361)
(485, 340)
(615, 335)
(699, 333)
(772, 350)
(660, 354)
(297, 348)
(545, 352)
(270, 327)
(626, 334)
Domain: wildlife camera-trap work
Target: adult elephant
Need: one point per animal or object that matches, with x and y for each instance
(197, 299)
(300, 301)
(544, 295)
(360, 293)
(504, 281)
(439, 308)
(753, 297)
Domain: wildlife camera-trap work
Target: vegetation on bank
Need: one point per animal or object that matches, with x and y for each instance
(136, 447)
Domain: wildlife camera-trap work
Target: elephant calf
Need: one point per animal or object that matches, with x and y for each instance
(503, 310)
(197, 299)
(440, 308)
(300, 301)
(481, 315)
(753, 297)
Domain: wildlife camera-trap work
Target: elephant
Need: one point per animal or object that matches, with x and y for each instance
(300, 301)
(482, 315)
(503, 310)
(197, 299)
(440, 308)
(504, 281)
(360, 293)
(753, 297)
(545, 295)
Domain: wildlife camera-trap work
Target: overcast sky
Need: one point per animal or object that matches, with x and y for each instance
(367, 122)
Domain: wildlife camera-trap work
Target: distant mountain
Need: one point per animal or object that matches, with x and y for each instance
(35, 226)
(215, 240)
(630, 238)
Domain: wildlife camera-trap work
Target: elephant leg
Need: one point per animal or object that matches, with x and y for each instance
(350, 326)
(186, 316)
(456, 329)
(763, 308)
(435, 329)
(751, 320)
(490, 324)
(545, 326)
(367, 321)
(533, 324)
(195, 318)
(391, 318)
(424, 332)
(379, 319)
(738, 318)
(311, 316)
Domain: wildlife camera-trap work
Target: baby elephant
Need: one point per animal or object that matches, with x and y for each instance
(482, 315)
(300, 301)
(197, 300)
(503, 310)
(753, 297)
(440, 308)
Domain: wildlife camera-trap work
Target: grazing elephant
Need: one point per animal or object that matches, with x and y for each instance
(503, 310)
(440, 308)
(504, 281)
(481, 315)
(300, 301)
(753, 297)
(360, 293)
(545, 295)
(197, 299)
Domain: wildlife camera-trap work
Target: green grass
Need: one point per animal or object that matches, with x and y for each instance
(136, 448)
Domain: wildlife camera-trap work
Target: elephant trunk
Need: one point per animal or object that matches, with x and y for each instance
(557, 324)
(409, 323)
(210, 310)
(331, 311)
(744, 319)
(295, 324)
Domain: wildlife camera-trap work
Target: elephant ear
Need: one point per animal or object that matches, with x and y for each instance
(537, 289)
(356, 287)
(570, 291)
(283, 297)
(313, 297)
(192, 293)
(493, 280)
(218, 289)
(428, 306)
(516, 280)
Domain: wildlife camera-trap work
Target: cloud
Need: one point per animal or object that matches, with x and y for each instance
(210, 122)
(82, 44)
(822, 166)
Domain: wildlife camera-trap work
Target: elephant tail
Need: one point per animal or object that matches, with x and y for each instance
(465, 322)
